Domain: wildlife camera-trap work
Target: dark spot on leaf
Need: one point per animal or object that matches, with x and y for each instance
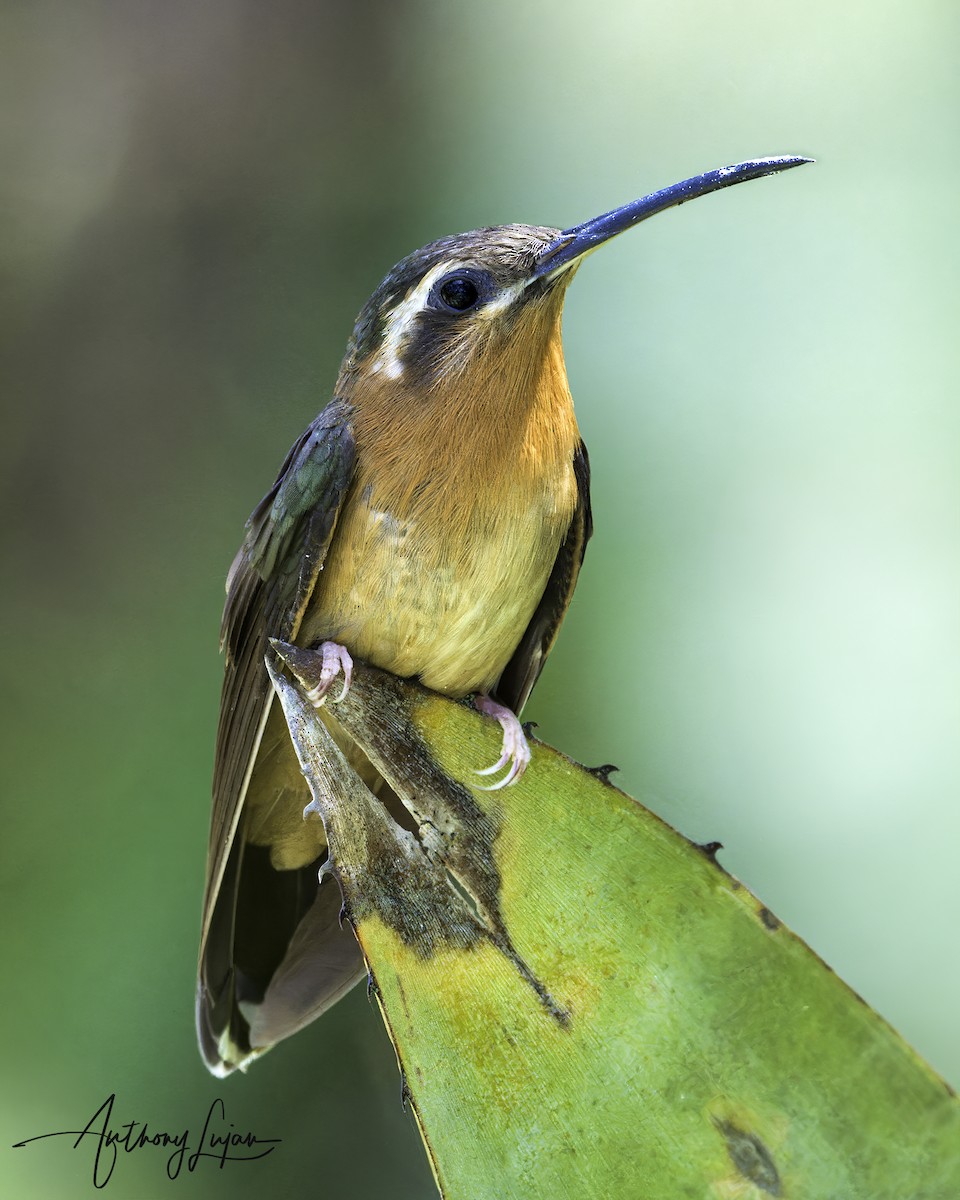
(709, 849)
(403, 999)
(767, 917)
(751, 1158)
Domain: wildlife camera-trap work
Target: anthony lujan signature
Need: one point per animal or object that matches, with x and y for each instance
(217, 1140)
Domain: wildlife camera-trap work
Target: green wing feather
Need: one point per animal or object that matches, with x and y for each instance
(268, 588)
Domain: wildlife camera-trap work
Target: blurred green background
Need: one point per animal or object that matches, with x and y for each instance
(196, 199)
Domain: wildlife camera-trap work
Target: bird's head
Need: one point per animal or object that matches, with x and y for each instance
(484, 307)
(466, 298)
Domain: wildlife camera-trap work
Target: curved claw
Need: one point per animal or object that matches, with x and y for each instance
(501, 762)
(516, 770)
(516, 751)
(336, 658)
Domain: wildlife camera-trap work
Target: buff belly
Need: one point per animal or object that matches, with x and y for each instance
(448, 611)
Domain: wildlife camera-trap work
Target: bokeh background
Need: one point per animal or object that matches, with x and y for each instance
(196, 199)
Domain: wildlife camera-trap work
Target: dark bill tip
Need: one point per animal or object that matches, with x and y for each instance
(580, 239)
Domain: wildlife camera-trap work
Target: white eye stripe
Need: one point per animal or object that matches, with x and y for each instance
(401, 319)
(399, 323)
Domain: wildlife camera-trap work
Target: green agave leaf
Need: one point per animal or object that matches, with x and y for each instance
(583, 1002)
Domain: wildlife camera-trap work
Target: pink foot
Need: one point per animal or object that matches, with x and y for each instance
(335, 659)
(516, 752)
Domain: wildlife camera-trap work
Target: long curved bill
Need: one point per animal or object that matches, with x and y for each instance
(579, 240)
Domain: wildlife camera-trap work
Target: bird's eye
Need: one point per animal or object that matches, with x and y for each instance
(459, 293)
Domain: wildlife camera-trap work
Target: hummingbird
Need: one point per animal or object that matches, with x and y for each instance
(432, 520)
